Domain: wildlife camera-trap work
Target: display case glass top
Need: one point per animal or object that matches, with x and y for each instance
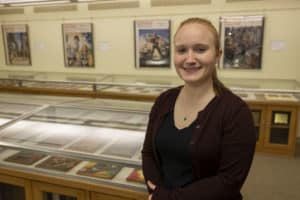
(142, 80)
(140, 87)
(51, 76)
(111, 104)
(264, 85)
(37, 99)
(18, 75)
(11, 111)
(92, 144)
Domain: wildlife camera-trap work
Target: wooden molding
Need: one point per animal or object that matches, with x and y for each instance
(62, 8)
(178, 2)
(113, 5)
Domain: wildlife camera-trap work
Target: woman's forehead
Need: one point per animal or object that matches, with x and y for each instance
(194, 32)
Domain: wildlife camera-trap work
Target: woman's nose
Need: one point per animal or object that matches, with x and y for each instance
(191, 56)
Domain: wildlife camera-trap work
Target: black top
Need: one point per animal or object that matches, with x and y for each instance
(221, 148)
(172, 147)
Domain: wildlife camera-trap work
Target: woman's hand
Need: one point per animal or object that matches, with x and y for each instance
(152, 187)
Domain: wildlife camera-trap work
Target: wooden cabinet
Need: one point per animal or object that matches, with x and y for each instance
(258, 113)
(45, 191)
(12, 188)
(275, 127)
(101, 196)
(280, 135)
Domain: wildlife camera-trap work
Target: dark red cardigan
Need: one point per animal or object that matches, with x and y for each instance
(221, 148)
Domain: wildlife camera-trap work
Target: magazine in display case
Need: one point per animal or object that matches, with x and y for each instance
(59, 163)
(25, 157)
(136, 176)
(102, 169)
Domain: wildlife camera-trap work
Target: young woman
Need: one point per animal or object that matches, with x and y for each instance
(200, 139)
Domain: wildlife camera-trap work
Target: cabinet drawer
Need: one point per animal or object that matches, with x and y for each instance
(101, 196)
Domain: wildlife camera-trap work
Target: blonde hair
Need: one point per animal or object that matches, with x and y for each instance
(217, 84)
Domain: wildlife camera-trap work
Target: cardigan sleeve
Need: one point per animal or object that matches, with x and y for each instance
(236, 155)
(150, 169)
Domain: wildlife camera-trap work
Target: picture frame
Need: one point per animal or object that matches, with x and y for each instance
(78, 45)
(16, 44)
(281, 118)
(152, 43)
(241, 40)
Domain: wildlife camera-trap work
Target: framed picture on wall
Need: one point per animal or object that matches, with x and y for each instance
(152, 43)
(16, 44)
(242, 42)
(78, 45)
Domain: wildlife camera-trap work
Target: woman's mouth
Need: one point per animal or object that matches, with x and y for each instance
(191, 69)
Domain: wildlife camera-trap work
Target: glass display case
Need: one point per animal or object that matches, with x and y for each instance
(91, 141)
(137, 87)
(96, 141)
(57, 83)
(144, 88)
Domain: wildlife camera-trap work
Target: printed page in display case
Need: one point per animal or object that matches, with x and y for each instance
(90, 143)
(124, 147)
(16, 135)
(3, 120)
(25, 157)
(57, 140)
(58, 163)
(136, 176)
(134, 90)
(280, 97)
(101, 169)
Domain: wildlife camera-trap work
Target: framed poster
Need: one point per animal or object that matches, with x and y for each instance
(241, 41)
(16, 44)
(152, 43)
(78, 45)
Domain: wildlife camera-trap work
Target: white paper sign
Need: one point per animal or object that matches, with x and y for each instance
(278, 45)
(104, 46)
(39, 45)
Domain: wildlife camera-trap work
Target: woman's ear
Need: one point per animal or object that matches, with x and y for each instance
(219, 53)
(218, 56)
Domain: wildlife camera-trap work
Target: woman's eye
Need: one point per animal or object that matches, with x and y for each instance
(200, 50)
(180, 50)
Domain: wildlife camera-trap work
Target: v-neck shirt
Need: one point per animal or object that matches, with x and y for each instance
(172, 147)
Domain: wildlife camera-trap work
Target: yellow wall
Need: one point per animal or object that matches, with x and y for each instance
(115, 28)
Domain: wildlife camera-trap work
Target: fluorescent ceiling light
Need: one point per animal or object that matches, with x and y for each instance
(33, 3)
(40, 2)
(85, 0)
(21, 1)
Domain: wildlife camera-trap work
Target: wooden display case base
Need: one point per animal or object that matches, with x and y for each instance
(35, 184)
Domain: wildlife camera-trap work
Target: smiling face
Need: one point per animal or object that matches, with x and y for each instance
(196, 53)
